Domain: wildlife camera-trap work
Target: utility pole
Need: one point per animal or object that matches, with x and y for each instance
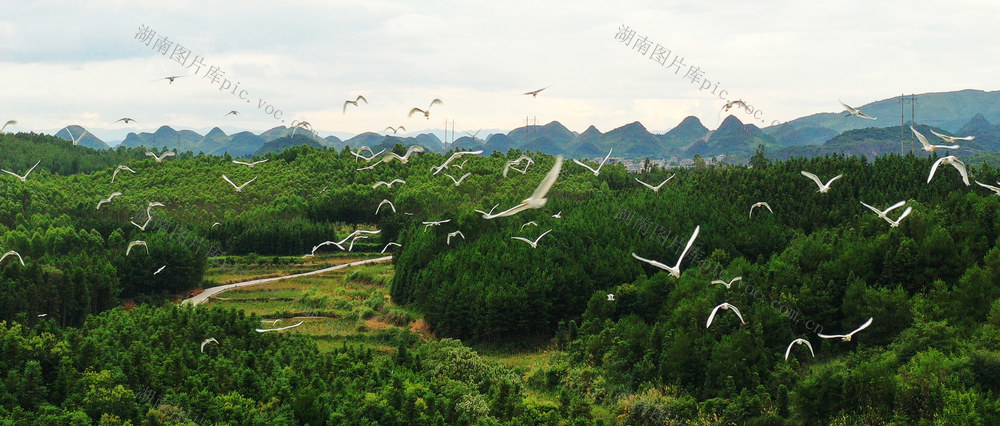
(901, 123)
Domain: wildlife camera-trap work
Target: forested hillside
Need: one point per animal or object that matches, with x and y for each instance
(627, 335)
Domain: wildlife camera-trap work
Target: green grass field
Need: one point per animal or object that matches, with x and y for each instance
(350, 305)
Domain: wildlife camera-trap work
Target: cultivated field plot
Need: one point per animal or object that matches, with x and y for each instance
(345, 306)
(233, 269)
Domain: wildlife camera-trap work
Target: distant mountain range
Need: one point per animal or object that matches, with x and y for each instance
(966, 112)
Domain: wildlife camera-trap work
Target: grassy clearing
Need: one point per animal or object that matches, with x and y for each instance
(232, 269)
(350, 305)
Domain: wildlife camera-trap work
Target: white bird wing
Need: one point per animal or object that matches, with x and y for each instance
(711, 316)
(849, 109)
(957, 163)
(990, 187)
(540, 236)
(416, 110)
(32, 168)
(952, 138)
(240, 162)
(462, 178)
(813, 177)
(768, 207)
(646, 184)
(12, 173)
(434, 102)
(531, 243)
(652, 262)
(12, 252)
(894, 207)
(665, 181)
(585, 166)
(934, 168)
(737, 311)
(921, 138)
(550, 178)
(606, 157)
(828, 183)
(830, 336)
(230, 182)
(452, 179)
(865, 325)
(686, 248)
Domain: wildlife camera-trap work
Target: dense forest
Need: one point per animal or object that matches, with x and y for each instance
(628, 336)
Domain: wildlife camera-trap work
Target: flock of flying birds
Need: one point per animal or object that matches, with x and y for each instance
(536, 200)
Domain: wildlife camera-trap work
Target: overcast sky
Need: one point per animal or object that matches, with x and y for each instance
(70, 62)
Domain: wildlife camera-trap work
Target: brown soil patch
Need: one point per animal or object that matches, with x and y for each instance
(422, 329)
(375, 324)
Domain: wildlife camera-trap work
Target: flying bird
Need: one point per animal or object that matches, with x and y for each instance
(395, 129)
(384, 202)
(160, 270)
(724, 306)
(296, 125)
(510, 164)
(473, 135)
(152, 204)
(855, 111)
(390, 244)
(171, 78)
(120, 168)
(454, 234)
(822, 188)
(14, 253)
(250, 165)
(847, 337)
(926, 145)
(25, 177)
(454, 157)
(491, 211)
(240, 187)
(434, 223)
(598, 170)
(367, 159)
(207, 341)
(657, 187)
(537, 199)
(143, 227)
(529, 223)
(952, 139)
(739, 102)
(162, 156)
(354, 102)
(949, 160)
(75, 140)
(406, 157)
(108, 200)
(427, 113)
(136, 243)
(881, 214)
(675, 271)
(126, 120)
(459, 180)
(261, 330)
(534, 93)
(9, 122)
(233, 112)
(760, 204)
(216, 224)
(800, 342)
(558, 215)
(371, 166)
(533, 244)
(895, 223)
(388, 184)
(730, 283)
